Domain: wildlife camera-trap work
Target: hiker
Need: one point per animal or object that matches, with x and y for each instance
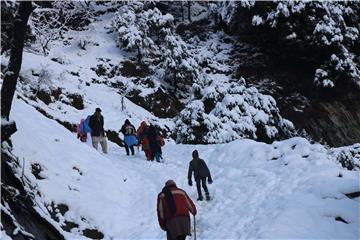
(141, 134)
(128, 130)
(173, 207)
(201, 172)
(96, 123)
(155, 143)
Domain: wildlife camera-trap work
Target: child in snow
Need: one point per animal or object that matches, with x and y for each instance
(201, 172)
(173, 207)
(129, 136)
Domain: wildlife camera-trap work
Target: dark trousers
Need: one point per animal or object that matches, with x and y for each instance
(127, 150)
(182, 237)
(202, 182)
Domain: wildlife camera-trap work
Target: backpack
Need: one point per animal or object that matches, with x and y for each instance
(160, 140)
(129, 130)
(80, 133)
(85, 128)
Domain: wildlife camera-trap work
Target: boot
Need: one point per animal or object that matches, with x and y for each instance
(207, 196)
(200, 198)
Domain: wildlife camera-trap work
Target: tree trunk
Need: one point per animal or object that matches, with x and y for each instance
(7, 130)
(139, 55)
(189, 10)
(182, 11)
(13, 69)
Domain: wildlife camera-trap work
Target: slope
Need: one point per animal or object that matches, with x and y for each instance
(289, 189)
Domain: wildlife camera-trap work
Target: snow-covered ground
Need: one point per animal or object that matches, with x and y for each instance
(75, 76)
(289, 189)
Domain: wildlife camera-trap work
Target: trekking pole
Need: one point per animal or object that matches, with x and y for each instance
(194, 228)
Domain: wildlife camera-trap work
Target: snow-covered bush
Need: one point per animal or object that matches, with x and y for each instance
(49, 22)
(348, 157)
(44, 82)
(231, 112)
(323, 35)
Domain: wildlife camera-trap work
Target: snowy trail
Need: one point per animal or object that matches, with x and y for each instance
(298, 194)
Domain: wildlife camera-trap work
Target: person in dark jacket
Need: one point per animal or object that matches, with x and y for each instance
(173, 207)
(130, 140)
(96, 123)
(201, 172)
(154, 144)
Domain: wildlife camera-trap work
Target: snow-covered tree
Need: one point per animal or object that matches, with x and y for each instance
(180, 67)
(48, 23)
(231, 111)
(46, 26)
(139, 29)
(324, 35)
(143, 28)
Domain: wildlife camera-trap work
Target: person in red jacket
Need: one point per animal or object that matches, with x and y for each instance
(173, 207)
(141, 134)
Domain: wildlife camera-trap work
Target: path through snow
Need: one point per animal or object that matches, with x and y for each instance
(288, 189)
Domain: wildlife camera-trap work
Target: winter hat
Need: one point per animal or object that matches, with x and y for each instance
(170, 183)
(97, 110)
(127, 121)
(195, 154)
(143, 124)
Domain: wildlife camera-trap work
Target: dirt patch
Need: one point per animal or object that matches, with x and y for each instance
(44, 96)
(160, 103)
(131, 69)
(36, 170)
(93, 234)
(100, 70)
(340, 219)
(76, 101)
(353, 195)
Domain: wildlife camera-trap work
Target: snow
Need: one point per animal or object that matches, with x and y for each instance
(257, 20)
(94, 94)
(287, 189)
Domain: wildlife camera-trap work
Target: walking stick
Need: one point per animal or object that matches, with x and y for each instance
(194, 228)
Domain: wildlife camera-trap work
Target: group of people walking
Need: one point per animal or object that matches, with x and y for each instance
(173, 204)
(146, 135)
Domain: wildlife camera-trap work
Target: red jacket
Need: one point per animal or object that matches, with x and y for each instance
(143, 139)
(183, 204)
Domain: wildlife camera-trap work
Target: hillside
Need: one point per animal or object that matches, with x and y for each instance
(294, 183)
(275, 144)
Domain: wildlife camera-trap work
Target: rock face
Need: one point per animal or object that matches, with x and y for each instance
(20, 208)
(332, 116)
(337, 123)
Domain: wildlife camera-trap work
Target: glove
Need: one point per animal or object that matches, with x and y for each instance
(210, 181)
(190, 182)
